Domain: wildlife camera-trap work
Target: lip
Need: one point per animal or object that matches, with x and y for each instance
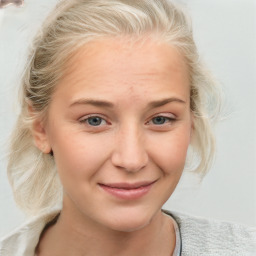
(128, 191)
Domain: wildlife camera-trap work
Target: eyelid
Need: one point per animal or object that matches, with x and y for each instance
(83, 120)
(85, 117)
(170, 116)
(167, 115)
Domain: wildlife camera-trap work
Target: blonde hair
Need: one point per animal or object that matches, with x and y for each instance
(73, 23)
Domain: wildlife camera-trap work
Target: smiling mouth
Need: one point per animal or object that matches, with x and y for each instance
(127, 191)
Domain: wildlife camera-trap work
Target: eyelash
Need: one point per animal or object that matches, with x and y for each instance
(166, 119)
(169, 119)
(85, 120)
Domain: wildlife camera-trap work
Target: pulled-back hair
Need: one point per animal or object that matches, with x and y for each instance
(72, 24)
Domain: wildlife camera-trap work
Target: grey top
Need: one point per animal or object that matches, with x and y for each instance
(194, 237)
(200, 236)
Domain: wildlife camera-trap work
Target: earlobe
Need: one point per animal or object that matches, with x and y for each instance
(39, 132)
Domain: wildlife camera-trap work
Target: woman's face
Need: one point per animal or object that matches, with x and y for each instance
(119, 125)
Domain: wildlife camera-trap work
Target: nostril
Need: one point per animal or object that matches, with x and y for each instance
(129, 150)
(130, 163)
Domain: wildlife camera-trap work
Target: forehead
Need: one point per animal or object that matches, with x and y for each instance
(115, 63)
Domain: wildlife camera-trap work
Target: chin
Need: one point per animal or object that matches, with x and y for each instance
(130, 221)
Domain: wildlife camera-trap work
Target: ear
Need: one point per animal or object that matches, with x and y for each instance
(39, 132)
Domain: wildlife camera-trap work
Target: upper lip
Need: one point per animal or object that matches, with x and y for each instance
(124, 185)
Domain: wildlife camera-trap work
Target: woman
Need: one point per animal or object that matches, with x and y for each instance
(113, 95)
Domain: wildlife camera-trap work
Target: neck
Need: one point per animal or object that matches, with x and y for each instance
(69, 236)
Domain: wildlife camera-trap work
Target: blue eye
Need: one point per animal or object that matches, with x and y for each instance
(158, 120)
(93, 121)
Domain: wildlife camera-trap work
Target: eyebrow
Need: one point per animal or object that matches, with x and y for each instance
(94, 102)
(103, 103)
(159, 103)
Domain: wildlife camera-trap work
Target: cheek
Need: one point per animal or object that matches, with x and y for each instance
(170, 151)
(78, 155)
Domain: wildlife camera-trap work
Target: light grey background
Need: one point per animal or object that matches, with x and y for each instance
(225, 33)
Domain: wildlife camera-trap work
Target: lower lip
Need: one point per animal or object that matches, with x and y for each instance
(128, 194)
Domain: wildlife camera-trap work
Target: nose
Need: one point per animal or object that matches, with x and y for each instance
(130, 153)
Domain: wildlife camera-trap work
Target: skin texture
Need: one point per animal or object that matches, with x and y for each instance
(128, 144)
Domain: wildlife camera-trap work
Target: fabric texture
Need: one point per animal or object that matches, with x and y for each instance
(198, 237)
(205, 237)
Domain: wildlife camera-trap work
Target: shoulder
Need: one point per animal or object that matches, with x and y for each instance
(201, 236)
(24, 239)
